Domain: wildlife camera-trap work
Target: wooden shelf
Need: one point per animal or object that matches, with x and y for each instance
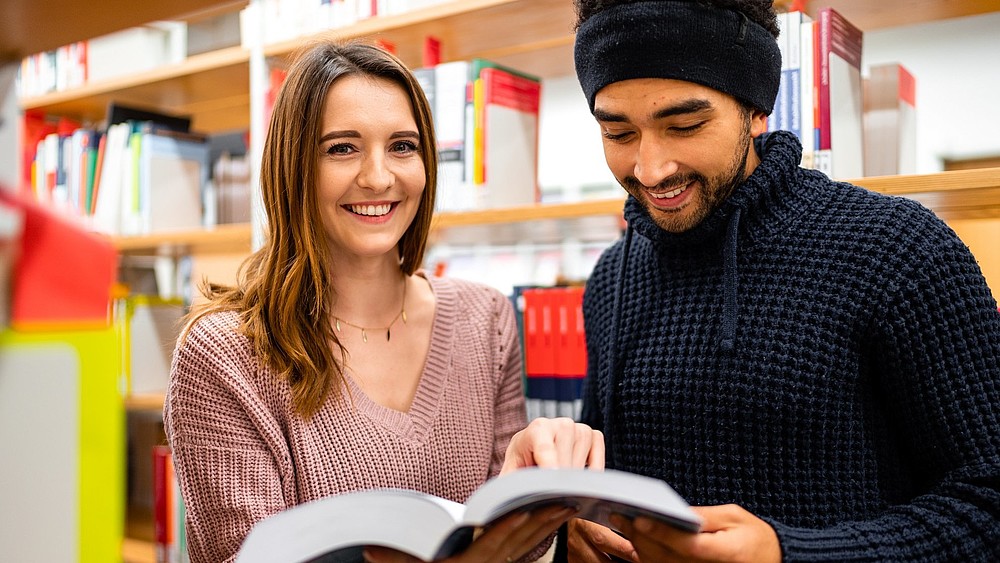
(555, 211)
(961, 194)
(222, 239)
(138, 551)
(31, 26)
(213, 88)
(145, 403)
(540, 42)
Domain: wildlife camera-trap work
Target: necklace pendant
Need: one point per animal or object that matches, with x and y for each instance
(364, 335)
(403, 313)
(336, 323)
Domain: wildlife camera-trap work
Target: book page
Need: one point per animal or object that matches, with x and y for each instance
(596, 494)
(336, 529)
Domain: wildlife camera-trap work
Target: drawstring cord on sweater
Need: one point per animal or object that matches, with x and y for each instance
(616, 363)
(730, 279)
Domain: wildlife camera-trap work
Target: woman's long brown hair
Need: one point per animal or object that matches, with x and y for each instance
(283, 292)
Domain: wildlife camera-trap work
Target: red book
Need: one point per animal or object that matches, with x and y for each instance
(163, 502)
(841, 106)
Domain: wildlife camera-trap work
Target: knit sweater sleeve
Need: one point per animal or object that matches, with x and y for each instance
(223, 440)
(511, 415)
(938, 340)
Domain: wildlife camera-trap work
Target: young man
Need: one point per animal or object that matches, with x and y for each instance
(814, 366)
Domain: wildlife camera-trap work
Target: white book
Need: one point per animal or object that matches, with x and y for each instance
(841, 140)
(429, 527)
(108, 209)
(890, 121)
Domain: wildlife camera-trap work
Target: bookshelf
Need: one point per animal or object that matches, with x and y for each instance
(534, 35)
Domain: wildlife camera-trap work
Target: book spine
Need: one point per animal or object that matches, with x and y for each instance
(824, 79)
(163, 491)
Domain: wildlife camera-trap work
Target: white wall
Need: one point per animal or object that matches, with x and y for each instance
(957, 67)
(956, 64)
(570, 153)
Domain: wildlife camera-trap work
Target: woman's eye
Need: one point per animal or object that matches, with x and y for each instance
(339, 149)
(404, 147)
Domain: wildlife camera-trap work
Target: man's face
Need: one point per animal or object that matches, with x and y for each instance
(678, 147)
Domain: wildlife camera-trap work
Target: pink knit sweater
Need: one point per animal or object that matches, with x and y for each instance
(241, 453)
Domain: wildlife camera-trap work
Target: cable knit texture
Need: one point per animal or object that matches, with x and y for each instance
(242, 453)
(858, 411)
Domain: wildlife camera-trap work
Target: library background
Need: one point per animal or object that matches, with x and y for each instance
(130, 137)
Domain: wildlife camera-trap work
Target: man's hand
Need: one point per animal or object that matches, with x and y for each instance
(729, 533)
(587, 542)
(508, 540)
(555, 442)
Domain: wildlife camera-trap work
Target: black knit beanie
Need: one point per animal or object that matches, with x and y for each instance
(682, 40)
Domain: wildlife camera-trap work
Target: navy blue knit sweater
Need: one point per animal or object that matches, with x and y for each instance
(824, 356)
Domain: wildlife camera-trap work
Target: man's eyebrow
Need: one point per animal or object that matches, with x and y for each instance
(694, 105)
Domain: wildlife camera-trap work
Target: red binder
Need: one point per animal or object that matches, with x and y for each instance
(63, 274)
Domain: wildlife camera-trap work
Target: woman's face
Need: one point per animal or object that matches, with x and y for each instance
(370, 173)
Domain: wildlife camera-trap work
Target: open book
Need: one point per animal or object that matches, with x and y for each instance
(337, 528)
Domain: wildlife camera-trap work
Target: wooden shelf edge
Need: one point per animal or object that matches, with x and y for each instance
(923, 183)
(524, 213)
(219, 239)
(194, 64)
(152, 402)
(957, 194)
(383, 24)
(138, 551)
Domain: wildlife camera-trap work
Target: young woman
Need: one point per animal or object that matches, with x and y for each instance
(335, 364)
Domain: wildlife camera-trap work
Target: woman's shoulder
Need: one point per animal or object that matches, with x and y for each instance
(463, 301)
(214, 329)
(467, 292)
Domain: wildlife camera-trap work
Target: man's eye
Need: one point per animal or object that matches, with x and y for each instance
(689, 128)
(616, 136)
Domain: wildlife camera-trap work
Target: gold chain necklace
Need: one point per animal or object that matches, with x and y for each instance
(364, 330)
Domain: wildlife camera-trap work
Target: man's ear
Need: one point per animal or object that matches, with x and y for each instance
(758, 123)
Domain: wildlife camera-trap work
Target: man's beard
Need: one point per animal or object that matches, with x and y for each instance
(712, 193)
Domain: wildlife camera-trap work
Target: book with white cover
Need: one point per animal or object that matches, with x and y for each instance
(337, 528)
(840, 153)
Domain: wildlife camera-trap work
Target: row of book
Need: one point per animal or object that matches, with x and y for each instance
(136, 178)
(555, 349)
(486, 119)
(169, 537)
(124, 52)
(144, 173)
(849, 127)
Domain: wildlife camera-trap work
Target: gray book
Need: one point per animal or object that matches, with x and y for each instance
(337, 528)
